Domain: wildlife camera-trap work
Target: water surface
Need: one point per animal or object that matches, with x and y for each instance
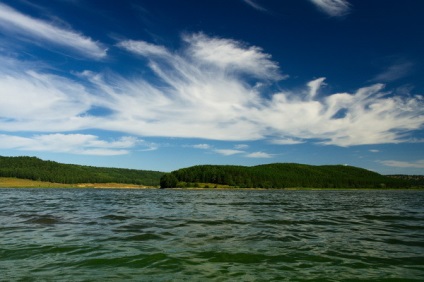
(209, 235)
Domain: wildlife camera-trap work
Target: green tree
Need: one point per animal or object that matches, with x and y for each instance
(168, 180)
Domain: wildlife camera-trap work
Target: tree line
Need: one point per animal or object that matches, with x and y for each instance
(282, 175)
(279, 175)
(36, 169)
(415, 180)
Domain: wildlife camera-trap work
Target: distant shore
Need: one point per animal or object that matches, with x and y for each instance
(6, 182)
(9, 182)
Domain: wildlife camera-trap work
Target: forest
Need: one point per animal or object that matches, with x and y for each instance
(414, 180)
(36, 169)
(282, 175)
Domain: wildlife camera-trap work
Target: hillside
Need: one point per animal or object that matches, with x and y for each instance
(281, 175)
(33, 168)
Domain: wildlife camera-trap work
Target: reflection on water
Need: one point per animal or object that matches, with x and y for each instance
(162, 235)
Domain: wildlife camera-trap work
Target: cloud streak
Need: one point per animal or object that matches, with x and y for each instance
(334, 8)
(395, 71)
(393, 163)
(82, 144)
(255, 5)
(259, 155)
(143, 48)
(228, 152)
(15, 22)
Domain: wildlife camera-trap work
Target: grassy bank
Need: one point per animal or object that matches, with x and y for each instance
(9, 182)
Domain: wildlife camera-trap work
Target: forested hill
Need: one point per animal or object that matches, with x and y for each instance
(281, 175)
(36, 169)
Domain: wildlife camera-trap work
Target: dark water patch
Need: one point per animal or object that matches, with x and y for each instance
(134, 227)
(302, 222)
(385, 218)
(144, 237)
(410, 243)
(407, 226)
(220, 238)
(235, 257)
(138, 261)
(247, 204)
(44, 220)
(116, 217)
(213, 222)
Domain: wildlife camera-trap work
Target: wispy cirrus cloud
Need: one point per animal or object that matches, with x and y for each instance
(231, 55)
(286, 141)
(334, 8)
(143, 48)
(42, 32)
(394, 163)
(259, 155)
(241, 146)
(202, 146)
(32, 99)
(198, 94)
(394, 72)
(228, 152)
(83, 144)
(239, 149)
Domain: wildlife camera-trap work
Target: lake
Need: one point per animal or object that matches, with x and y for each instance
(211, 235)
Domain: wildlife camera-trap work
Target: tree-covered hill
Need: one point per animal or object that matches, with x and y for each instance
(288, 175)
(36, 169)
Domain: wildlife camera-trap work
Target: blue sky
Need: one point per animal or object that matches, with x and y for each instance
(167, 84)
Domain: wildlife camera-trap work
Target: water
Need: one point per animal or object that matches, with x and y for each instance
(206, 235)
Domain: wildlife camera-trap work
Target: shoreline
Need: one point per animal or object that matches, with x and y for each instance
(9, 182)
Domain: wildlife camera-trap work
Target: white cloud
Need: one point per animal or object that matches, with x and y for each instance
(83, 144)
(314, 86)
(255, 5)
(17, 23)
(241, 146)
(364, 117)
(143, 48)
(202, 146)
(228, 152)
(334, 8)
(259, 155)
(393, 163)
(287, 141)
(230, 55)
(394, 72)
(37, 101)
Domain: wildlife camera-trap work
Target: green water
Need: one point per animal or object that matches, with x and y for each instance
(206, 235)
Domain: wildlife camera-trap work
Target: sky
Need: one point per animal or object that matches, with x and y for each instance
(163, 84)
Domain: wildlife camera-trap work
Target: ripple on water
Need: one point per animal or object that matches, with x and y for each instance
(116, 217)
(43, 219)
(144, 237)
